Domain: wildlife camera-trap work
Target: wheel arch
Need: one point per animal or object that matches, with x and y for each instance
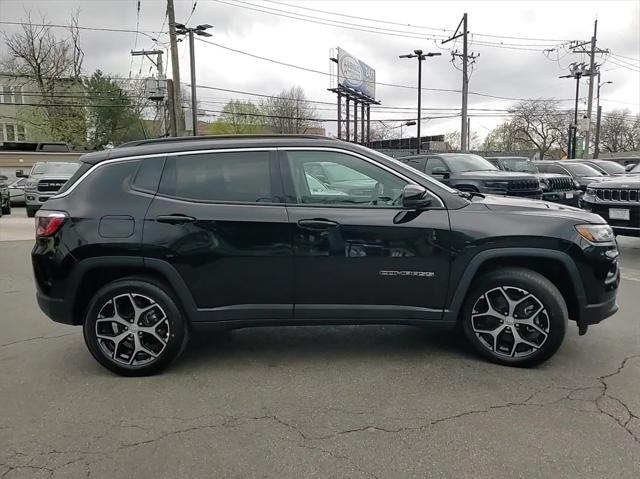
(93, 273)
(556, 266)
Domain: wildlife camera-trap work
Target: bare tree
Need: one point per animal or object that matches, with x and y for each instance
(53, 66)
(77, 54)
(540, 123)
(620, 131)
(289, 112)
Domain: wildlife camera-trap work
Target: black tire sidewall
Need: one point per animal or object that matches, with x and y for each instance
(177, 326)
(535, 284)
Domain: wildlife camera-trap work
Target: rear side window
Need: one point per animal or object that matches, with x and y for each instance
(84, 167)
(148, 175)
(236, 177)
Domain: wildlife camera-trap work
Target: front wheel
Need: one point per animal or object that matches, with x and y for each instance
(31, 211)
(134, 327)
(6, 209)
(515, 317)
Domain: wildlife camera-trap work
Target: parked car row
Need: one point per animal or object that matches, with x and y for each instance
(601, 186)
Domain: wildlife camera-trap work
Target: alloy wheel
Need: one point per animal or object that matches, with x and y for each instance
(132, 329)
(510, 322)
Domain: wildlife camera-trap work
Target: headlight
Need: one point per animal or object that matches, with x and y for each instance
(503, 185)
(596, 233)
(544, 184)
(30, 184)
(576, 185)
(591, 192)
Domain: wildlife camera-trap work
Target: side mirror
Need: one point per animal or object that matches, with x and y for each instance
(629, 167)
(415, 197)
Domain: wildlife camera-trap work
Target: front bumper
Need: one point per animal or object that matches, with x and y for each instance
(569, 198)
(36, 199)
(595, 313)
(624, 227)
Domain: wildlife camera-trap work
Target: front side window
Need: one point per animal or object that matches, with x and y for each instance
(435, 166)
(243, 177)
(333, 178)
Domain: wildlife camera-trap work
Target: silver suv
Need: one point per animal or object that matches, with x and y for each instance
(45, 179)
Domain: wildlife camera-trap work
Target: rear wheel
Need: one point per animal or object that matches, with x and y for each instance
(515, 317)
(134, 327)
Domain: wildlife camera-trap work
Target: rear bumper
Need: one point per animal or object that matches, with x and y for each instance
(55, 308)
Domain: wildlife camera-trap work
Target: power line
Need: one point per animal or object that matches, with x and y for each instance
(341, 24)
(444, 30)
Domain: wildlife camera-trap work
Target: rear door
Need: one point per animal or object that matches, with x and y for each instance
(358, 256)
(219, 220)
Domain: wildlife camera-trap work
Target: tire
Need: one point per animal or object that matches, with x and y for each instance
(31, 211)
(162, 331)
(6, 209)
(533, 327)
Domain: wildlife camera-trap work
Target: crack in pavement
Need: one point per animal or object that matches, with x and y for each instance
(19, 341)
(599, 395)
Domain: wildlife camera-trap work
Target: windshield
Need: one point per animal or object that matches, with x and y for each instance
(55, 168)
(579, 169)
(520, 165)
(465, 162)
(611, 167)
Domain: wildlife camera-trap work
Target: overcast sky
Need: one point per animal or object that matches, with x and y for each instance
(522, 71)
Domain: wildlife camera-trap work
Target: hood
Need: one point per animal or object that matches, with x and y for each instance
(507, 204)
(495, 175)
(591, 179)
(552, 175)
(621, 182)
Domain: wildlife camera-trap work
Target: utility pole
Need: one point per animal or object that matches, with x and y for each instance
(420, 56)
(593, 70)
(465, 75)
(182, 29)
(596, 151)
(175, 69)
(172, 110)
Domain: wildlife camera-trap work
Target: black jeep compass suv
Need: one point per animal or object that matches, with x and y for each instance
(148, 241)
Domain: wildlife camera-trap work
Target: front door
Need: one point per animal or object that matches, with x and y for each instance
(219, 220)
(357, 252)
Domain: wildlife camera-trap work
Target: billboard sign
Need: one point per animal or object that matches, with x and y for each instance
(355, 74)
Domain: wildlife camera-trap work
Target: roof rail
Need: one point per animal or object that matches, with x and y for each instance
(172, 139)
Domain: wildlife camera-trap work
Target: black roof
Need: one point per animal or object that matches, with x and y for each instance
(194, 143)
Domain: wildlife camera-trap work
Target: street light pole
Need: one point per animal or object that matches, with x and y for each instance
(181, 29)
(577, 70)
(194, 105)
(420, 56)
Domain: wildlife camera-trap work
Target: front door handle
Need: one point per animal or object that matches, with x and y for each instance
(317, 224)
(175, 219)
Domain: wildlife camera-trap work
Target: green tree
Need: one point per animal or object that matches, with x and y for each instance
(239, 117)
(112, 115)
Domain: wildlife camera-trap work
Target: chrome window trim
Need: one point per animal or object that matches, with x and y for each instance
(155, 155)
(362, 157)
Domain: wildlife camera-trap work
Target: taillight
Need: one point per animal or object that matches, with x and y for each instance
(48, 222)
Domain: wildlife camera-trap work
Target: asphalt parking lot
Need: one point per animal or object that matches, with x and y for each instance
(314, 402)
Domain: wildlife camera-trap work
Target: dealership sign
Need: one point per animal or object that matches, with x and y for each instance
(355, 74)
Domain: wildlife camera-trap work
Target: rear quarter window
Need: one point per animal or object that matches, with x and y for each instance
(84, 167)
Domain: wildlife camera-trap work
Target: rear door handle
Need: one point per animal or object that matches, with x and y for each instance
(175, 219)
(318, 224)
